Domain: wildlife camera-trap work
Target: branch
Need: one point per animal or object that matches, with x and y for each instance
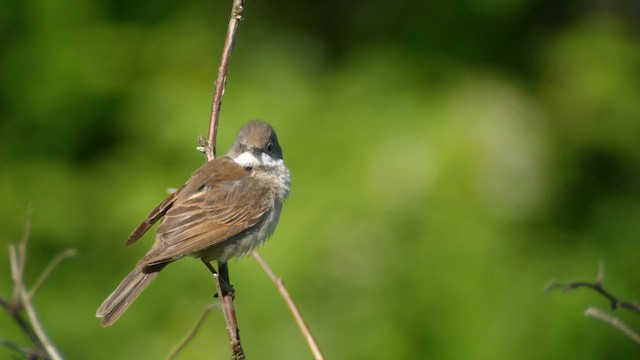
(317, 354)
(191, 333)
(597, 285)
(49, 348)
(209, 147)
(15, 313)
(614, 302)
(229, 313)
(67, 254)
(596, 313)
(22, 299)
(26, 352)
(20, 255)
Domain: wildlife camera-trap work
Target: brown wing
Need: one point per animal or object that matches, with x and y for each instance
(219, 201)
(151, 219)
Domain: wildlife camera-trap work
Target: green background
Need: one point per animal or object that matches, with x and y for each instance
(448, 159)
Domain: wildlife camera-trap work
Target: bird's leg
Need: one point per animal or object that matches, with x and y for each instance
(210, 267)
(227, 289)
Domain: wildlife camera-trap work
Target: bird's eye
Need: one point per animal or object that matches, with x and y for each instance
(269, 147)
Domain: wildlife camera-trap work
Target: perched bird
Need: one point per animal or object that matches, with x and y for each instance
(227, 208)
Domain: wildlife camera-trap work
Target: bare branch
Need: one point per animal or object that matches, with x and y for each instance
(596, 313)
(191, 333)
(317, 354)
(20, 321)
(209, 149)
(15, 347)
(19, 254)
(229, 313)
(614, 302)
(26, 233)
(597, 285)
(21, 299)
(51, 350)
(236, 16)
(16, 273)
(67, 254)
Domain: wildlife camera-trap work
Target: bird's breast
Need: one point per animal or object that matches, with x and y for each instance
(246, 241)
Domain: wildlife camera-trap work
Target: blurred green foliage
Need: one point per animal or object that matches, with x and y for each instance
(448, 160)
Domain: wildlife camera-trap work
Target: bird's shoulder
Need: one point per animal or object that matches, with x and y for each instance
(216, 171)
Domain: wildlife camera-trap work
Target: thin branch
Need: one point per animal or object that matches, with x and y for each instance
(237, 11)
(191, 333)
(597, 285)
(65, 255)
(51, 350)
(15, 347)
(208, 147)
(20, 321)
(20, 254)
(317, 354)
(224, 309)
(231, 323)
(22, 297)
(596, 313)
(25, 301)
(14, 263)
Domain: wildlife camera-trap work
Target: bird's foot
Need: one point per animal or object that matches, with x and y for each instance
(227, 289)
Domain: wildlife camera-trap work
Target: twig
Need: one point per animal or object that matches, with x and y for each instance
(51, 350)
(20, 254)
(596, 313)
(191, 333)
(229, 313)
(16, 270)
(15, 347)
(67, 254)
(237, 11)
(13, 310)
(615, 303)
(317, 354)
(22, 297)
(208, 147)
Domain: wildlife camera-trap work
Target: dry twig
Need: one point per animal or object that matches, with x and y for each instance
(614, 302)
(277, 281)
(41, 345)
(191, 333)
(208, 147)
(596, 313)
(596, 285)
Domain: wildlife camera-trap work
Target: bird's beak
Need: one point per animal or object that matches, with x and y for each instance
(256, 152)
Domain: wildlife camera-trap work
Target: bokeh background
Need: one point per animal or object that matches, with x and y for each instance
(449, 159)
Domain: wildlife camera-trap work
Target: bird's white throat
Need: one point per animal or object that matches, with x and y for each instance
(249, 159)
(276, 172)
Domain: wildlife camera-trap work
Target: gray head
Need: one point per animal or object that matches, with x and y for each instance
(256, 145)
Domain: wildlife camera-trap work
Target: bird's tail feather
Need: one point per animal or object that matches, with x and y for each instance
(124, 295)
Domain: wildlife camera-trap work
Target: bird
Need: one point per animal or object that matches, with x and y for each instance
(227, 208)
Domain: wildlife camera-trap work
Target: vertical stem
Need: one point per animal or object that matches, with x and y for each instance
(210, 151)
(236, 16)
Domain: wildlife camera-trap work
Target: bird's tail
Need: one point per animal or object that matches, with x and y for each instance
(125, 294)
